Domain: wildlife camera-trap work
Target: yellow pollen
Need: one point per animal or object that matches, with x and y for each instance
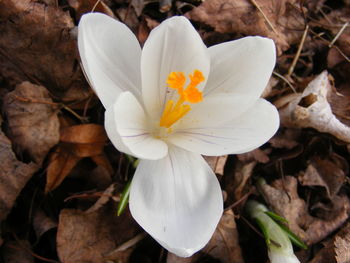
(176, 80)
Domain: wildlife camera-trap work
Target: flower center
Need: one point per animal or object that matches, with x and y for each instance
(175, 111)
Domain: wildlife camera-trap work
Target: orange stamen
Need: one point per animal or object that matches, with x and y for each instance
(176, 80)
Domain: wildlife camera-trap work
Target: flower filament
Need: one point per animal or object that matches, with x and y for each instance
(174, 111)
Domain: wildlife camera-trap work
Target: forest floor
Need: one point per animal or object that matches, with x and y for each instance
(61, 178)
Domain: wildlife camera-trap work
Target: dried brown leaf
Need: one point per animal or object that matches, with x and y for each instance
(13, 175)
(15, 252)
(342, 245)
(88, 139)
(62, 161)
(224, 244)
(283, 198)
(258, 155)
(329, 173)
(42, 223)
(239, 185)
(88, 237)
(37, 44)
(32, 120)
(243, 17)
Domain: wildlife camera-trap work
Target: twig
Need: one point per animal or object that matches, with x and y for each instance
(127, 244)
(319, 35)
(240, 200)
(285, 80)
(95, 5)
(265, 17)
(338, 34)
(297, 55)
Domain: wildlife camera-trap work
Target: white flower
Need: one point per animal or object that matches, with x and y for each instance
(168, 104)
(280, 249)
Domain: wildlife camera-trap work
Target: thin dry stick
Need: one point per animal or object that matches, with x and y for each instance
(244, 197)
(338, 34)
(285, 80)
(319, 35)
(297, 55)
(95, 5)
(265, 17)
(127, 244)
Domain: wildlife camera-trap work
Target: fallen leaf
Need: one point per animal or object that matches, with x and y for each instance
(336, 249)
(224, 244)
(13, 175)
(238, 183)
(88, 237)
(258, 155)
(311, 109)
(342, 245)
(32, 120)
(243, 17)
(42, 223)
(62, 161)
(88, 139)
(77, 142)
(329, 173)
(15, 252)
(283, 199)
(37, 44)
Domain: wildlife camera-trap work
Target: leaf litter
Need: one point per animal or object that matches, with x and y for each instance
(61, 179)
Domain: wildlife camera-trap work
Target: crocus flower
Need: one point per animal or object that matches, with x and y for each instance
(280, 249)
(171, 102)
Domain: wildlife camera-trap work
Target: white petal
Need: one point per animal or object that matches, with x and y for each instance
(278, 257)
(244, 133)
(177, 200)
(128, 129)
(111, 55)
(239, 72)
(173, 46)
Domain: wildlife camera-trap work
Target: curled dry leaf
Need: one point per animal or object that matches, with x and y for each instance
(89, 237)
(61, 162)
(36, 44)
(283, 198)
(311, 109)
(32, 120)
(329, 173)
(77, 142)
(283, 21)
(13, 175)
(42, 223)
